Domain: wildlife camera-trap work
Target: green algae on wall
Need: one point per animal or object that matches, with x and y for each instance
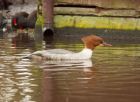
(61, 21)
(64, 21)
(40, 20)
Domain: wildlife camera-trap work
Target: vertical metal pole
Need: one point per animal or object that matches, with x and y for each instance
(47, 12)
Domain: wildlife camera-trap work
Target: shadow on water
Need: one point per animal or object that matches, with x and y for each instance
(114, 36)
(112, 75)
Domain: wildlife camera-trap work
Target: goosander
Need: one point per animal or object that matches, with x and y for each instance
(90, 42)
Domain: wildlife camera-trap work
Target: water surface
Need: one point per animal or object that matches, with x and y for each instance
(112, 75)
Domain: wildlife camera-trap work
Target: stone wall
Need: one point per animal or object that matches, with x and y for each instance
(114, 4)
(104, 14)
(115, 8)
(23, 1)
(18, 6)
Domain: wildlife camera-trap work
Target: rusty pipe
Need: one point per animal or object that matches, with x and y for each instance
(47, 12)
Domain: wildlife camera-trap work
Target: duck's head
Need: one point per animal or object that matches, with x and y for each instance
(92, 41)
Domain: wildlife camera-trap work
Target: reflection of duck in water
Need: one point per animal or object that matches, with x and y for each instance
(90, 43)
(57, 65)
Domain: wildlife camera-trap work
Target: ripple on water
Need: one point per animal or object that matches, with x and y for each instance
(112, 75)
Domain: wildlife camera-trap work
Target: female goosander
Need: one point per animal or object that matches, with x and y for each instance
(90, 43)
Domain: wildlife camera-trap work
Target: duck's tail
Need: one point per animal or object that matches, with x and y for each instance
(27, 57)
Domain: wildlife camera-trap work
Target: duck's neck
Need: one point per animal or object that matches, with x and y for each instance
(86, 52)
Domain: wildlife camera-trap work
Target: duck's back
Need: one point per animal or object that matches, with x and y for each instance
(59, 51)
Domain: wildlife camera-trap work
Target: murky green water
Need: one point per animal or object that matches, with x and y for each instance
(112, 75)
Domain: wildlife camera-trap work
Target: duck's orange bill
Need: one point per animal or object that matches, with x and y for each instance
(105, 44)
